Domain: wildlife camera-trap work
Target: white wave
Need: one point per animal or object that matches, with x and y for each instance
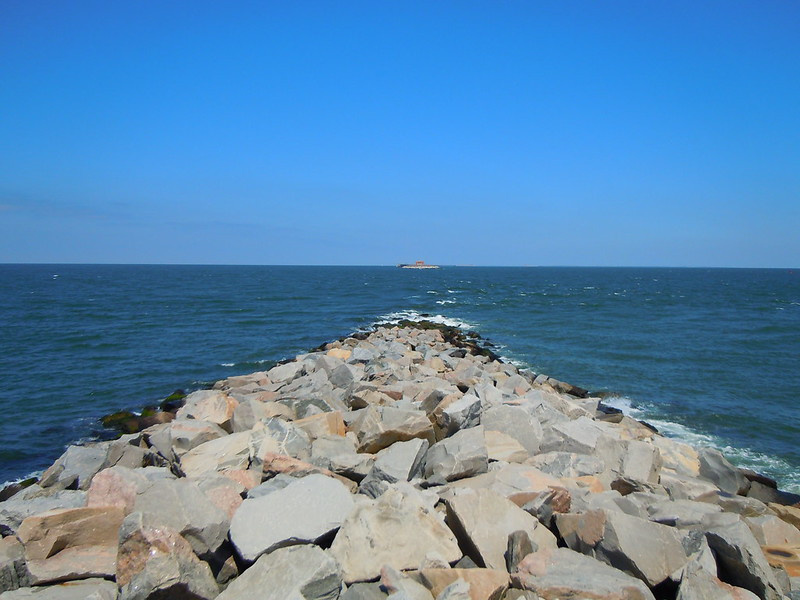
(445, 302)
(37, 474)
(744, 457)
(227, 364)
(413, 315)
(433, 292)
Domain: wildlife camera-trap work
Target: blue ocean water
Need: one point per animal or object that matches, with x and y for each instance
(707, 355)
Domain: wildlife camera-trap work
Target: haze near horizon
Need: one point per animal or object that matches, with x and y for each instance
(484, 133)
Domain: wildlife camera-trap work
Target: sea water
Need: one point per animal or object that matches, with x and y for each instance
(710, 356)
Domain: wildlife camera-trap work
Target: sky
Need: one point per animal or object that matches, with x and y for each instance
(619, 133)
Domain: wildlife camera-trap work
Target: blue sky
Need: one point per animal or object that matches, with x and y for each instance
(488, 133)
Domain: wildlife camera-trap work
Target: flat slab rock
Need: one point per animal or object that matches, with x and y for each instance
(302, 512)
(86, 589)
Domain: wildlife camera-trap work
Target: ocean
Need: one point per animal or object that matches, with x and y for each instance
(710, 356)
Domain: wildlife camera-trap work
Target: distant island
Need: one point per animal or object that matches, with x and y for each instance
(420, 264)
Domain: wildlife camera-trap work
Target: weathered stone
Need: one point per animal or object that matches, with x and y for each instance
(338, 454)
(252, 410)
(73, 543)
(770, 530)
(646, 550)
(681, 487)
(545, 505)
(515, 422)
(117, 486)
(213, 406)
(324, 424)
(186, 434)
(462, 413)
(304, 511)
(401, 461)
(504, 448)
(380, 426)
(717, 469)
(519, 546)
(518, 483)
(154, 561)
(399, 529)
(562, 573)
(567, 464)
(401, 587)
(277, 464)
(339, 374)
(297, 573)
(483, 584)
(681, 513)
(641, 461)
(483, 520)
(286, 372)
(13, 571)
(223, 492)
(699, 584)
(179, 504)
(790, 514)
(340, 353)
(458, 590)
(784, 556)
(461, 455)
(87, 589)
(364, 591)
(229, 452)
(741, 561)
(76, 467)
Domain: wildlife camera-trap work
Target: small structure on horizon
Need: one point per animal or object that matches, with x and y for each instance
(420, 264)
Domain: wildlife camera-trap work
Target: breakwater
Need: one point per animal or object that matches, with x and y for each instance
(407, 462)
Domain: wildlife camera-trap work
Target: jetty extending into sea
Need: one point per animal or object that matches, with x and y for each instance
(408, 462)
(420, 264)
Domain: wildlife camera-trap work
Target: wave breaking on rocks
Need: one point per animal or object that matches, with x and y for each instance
(408, 462)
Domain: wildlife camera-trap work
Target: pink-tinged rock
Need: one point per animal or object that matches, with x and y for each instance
(249, 478)
(275, 464)
(556, 574)
(224, 493)
(116, 486)
(209, 405)
(484, 584)
(329, 423)
(154, 561)
(73, 543)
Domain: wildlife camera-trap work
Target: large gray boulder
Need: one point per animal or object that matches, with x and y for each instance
(562, 573)
(464, 454)
(740, 557)
(302, 512)
(76, 467)
(213, 406)
(698, 584)
(13, 571)
(155, 561)
(402, 461)
(378, 427)
(483, 521)
(338, 455)
(228, 452)
(462, 413)
(182, 506)
(295, 573)
(717, 469)
(400, 528)
(647, 550)
(516, 422)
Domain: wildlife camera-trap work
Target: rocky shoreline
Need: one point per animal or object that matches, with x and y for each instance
(408, 463)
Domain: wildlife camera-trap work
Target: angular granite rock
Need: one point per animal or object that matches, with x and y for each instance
(400, 528)
(515, 422)
(381, 426)
(155, 561)
(563, 573)
(646, 550)
(13, 571)
(303, 512)
(213, 406)
(461, 455)
(32, 501)
(182, 506)
(338, 455)
(229, 452)
(741, 559)
(402, 461)
(71, 543)
(295, 573)
(483, 521)
(482, 584)
(76, 467)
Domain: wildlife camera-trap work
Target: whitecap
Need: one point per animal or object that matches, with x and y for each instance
(445, 302)
(227, 364)
(413, 315)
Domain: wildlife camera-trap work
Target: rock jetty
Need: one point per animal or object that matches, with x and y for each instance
(407, 463)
